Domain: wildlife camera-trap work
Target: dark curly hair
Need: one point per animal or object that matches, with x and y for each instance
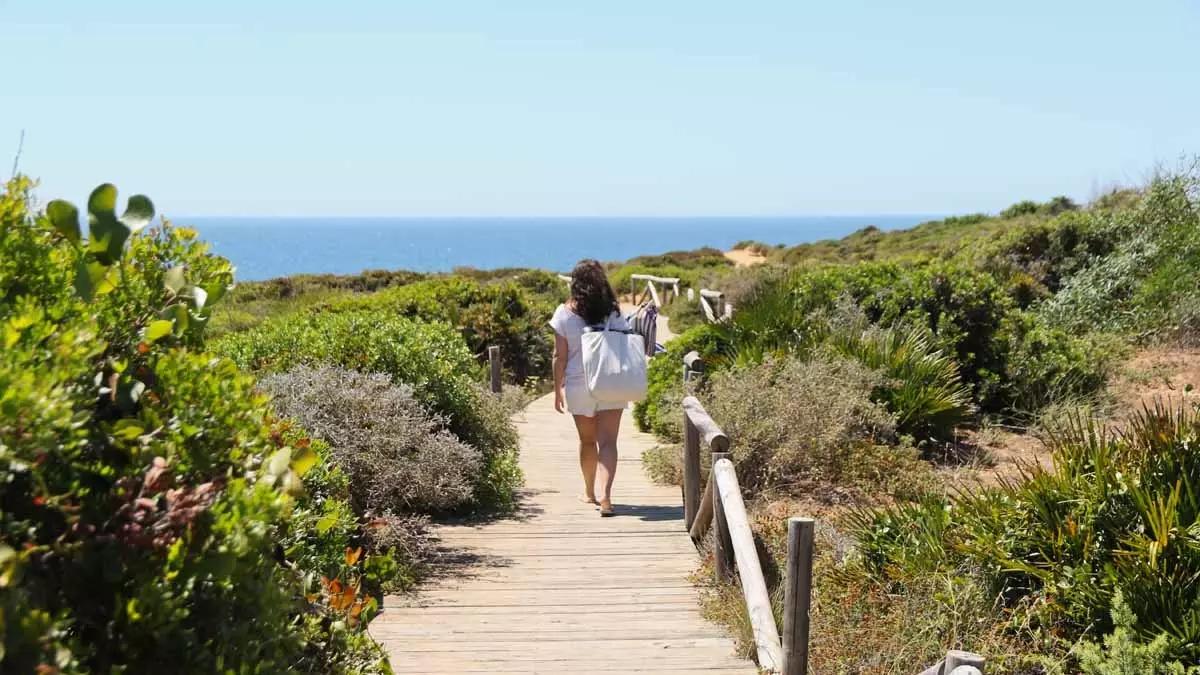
(591, 295)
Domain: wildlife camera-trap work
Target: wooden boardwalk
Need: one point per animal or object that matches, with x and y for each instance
(557, 588)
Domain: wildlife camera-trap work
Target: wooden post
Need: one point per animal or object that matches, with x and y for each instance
(691, 471)
(963, 663)
(633, 291)
(494, 363)
(797, 596)
(693, 366)
(691, 295)
(704, 516)
(723, 557)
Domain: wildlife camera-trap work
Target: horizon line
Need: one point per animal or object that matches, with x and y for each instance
(573, 216)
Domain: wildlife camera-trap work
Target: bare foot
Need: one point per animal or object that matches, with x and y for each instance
(586, 499)
(606, 508)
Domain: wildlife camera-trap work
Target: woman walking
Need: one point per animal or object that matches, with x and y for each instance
(592, 303)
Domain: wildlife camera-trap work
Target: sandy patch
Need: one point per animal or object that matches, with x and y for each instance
(1152, 375)
(745, 258)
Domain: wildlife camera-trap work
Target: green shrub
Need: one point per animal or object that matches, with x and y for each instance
(812, 422)
(921, 386)
(429, 357)
(659, 412)
(1115, 512)
(1046, 365)
(1155, 253)
(1122, 654)
(146, 496)
(504, 315)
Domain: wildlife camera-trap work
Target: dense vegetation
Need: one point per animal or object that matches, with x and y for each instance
(847, 361)
(155, 515)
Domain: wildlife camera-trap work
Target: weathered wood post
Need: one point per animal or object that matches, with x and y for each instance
(691, 471)
(723, 557)
(963, 663)
(797, 596)
(494, 364)
(693, 368)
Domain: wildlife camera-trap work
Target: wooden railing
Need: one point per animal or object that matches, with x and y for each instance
(714, 305)
(670, 285)
(720, 507)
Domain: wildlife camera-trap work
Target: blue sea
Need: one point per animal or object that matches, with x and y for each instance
(267, 247)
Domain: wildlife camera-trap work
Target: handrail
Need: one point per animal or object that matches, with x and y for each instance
(651, 289)
(722, 505)
(754, 586)
(721, 508)
(710, 313)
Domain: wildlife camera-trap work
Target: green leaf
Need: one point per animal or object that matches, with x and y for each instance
(325, 524)
(158, 330)
(128, 429)
(177, 314)
(173, 280)
(103, 200)
(303, 460)
(181, 319)
(65, 218)
(93, 278)
(278, 464)
(138, 213)
(108, 282)
(216, 292)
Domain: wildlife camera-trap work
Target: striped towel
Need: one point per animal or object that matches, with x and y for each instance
(644, 321)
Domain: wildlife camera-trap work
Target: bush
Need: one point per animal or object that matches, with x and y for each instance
(504, 315)
(1121, 654)
(801, 422)
(1112, 514)
(430, 358)
(922, 387)
(398, 457)
(660, 412)
(146, 496)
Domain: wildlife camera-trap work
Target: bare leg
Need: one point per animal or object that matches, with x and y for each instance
(586, 426)
(608, 424)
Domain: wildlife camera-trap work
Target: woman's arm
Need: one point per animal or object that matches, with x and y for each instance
(560, 369)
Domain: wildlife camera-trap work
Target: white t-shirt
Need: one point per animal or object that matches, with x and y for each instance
(571, 326)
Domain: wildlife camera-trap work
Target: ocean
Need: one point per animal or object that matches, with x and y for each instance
(267, 247)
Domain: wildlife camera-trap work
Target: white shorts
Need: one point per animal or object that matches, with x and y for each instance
(580, 401)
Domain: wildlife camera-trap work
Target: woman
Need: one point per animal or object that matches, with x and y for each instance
(592, 303)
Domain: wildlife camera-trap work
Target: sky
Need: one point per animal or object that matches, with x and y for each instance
(582, 107)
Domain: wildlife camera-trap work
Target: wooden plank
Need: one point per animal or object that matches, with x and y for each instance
(671, 281)
(555, 584)
(754, 587)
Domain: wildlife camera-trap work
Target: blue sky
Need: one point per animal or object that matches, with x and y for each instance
(370, 107)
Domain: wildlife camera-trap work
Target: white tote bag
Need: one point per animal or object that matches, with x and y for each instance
(614, 364)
